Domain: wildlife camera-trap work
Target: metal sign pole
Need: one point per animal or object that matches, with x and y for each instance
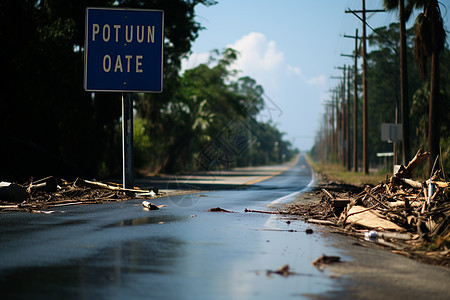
(116, 62)
(127, 140)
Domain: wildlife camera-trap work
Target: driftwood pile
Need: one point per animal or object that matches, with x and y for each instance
(408, 215)
(41, 195)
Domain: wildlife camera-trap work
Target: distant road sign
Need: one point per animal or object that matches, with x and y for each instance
(391, 132)
(124, 50)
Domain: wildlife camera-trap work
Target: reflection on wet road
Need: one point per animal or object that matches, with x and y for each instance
(120, 251)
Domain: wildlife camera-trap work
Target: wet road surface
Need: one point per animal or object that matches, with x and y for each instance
(120, 251)
(182, 251)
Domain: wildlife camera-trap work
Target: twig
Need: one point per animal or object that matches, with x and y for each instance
(263, 212)
(328, 194)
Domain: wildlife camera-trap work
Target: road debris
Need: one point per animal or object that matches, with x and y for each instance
(150, 206)
(40, 195)
(309, 231)
(283, 271)
(369, 218)
(10, 192)
(47, 184)
(324, 261)
(219, 209)
(400, 212)
(264, 211)
(272, 229)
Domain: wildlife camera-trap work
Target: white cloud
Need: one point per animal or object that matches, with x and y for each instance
(257, 53)
(318, 80)
(296, 95)
(261, 59)
(293, 70)
(258, 58)
(193, 61)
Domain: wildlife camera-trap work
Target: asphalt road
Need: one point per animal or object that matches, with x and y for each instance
(183, 251)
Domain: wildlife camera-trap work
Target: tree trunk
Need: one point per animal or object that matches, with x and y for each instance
(404, 86)
(433, 116)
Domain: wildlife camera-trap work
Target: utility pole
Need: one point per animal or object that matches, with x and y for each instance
(355, 100)
(345, 117)
(326, 122)
(341, 123)
(365, 91)
(343, 114)
(335, 128)
(328, 119)
(365, 87)
(336, 135)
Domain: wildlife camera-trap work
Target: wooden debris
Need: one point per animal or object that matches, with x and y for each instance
(263, 211)
(327, 193)
(368, 218)
(400, 205)
(412, 183)
(439, 184)
(321, 222)
(271, 229)
(339, 202)
(282, 271)
(219, 209)
(51, 192)
(406, 172)
(100, 185)
(325, 260)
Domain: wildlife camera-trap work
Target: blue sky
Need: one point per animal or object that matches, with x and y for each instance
(291, 47)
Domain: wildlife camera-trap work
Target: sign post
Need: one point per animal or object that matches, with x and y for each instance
(127, 140)
(124, 53)
(392, 133)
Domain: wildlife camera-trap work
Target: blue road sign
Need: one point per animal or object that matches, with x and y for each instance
(124, 50)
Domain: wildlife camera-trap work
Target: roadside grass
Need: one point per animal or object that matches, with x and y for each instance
(336, 172)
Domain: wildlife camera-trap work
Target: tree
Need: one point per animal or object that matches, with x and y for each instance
(212, 121)
(384, 97)
(404, 99)
(384, 92)
(49, 124)
(419, 114)
(430, 42)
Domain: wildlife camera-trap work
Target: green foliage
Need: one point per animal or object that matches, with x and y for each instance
(211, 110)
(384, 83)
(142, 143)
(48, 123)
(384, 93)
(420, 114)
